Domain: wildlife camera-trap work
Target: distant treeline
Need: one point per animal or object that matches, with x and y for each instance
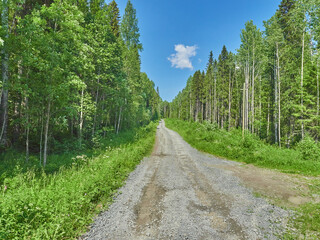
(270, 86)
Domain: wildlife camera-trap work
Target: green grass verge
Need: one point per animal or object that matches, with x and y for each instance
(249, 149)
(13, 161)
(60, 205)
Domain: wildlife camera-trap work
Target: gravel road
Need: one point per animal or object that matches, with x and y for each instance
(181, 193)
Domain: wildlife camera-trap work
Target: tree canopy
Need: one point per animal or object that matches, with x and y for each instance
(69, 76)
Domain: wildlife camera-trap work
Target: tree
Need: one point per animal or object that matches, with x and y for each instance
(114, 18)
(271, 85)
(5, 75)
(129, 28)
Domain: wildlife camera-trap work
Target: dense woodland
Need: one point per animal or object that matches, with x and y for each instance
(70, 74)
(269, 87)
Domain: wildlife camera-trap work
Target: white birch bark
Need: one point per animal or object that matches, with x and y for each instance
(5, 75)
(46, 132)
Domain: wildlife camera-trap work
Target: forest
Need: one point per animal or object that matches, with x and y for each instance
(269, 87)
(76, 113)
(70, 74)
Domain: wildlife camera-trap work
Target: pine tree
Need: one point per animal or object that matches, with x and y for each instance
(129, 28)
(114, 15)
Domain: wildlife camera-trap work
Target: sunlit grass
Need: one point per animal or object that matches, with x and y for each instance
(248, 149)
(60, 205)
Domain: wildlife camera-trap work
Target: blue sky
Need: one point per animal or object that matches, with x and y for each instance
(204, 25)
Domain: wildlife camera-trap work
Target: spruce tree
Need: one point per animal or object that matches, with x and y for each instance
(114, 18)
(129, 28)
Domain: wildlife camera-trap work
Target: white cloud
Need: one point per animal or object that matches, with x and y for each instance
(181, 59)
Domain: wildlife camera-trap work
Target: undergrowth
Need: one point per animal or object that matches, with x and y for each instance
(59, 204)
(303, 159)
(13, 161)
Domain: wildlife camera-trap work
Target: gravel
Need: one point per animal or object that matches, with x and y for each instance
(181, 193)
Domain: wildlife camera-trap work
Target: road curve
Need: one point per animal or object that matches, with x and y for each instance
(181, 193)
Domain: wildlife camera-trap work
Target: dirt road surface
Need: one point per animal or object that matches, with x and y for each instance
(181, 193)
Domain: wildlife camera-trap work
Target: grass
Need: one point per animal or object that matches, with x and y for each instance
(250, 149)
(308, 220)
(59, 204)
(13, 161)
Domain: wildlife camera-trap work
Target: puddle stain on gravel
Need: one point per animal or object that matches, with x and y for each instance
(143, 212)
(212, 202)
(215, 205)
(149, 210)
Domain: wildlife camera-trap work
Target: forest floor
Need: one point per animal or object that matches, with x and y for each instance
(181, 193)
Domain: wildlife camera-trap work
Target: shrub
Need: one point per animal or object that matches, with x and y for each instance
(309, 149)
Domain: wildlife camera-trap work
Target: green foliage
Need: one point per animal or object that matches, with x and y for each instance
(114, 18)
(61, 205)
(129, 28)
(309, 149)
(72, 78)
(269, 87)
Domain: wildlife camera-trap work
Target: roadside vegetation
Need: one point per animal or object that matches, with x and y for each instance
(59, 202)
(207, 137)
(304, 159)
(73, 101)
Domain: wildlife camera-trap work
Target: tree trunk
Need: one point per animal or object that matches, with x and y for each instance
(27, 130)
(5, 75)
(222, 122)
(118, 127)
(260, 106)
(230, 98)
(197, 109)
(115, 122)
(279, 97)
(210, 105)
(46, 131)
(202, 111)
(275, 104)
(243, 108)
(317, 87)
(190, 107)
(252, 91)
(317, 95)
(238, 88)
(95, 112)
(215, 100)
(41, 136)
(268, 119)
(218, 116)
(246, 118)
(301, 85)
(81, 117)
